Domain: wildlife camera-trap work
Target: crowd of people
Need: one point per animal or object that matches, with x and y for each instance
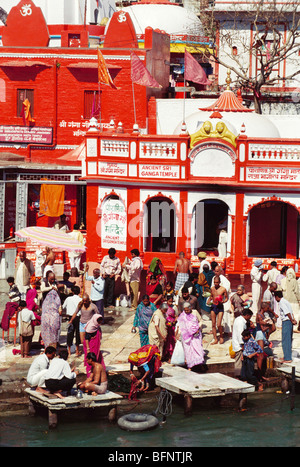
(168, 317)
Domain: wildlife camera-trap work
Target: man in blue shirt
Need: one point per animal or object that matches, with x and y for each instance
(97, 289)
(250, 350)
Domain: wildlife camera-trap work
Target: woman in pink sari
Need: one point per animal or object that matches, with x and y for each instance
(92, 341)
(191, 337)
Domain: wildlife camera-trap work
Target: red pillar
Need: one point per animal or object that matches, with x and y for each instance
(92, 226)
(183, 232)
(133, 219)
(239, 246)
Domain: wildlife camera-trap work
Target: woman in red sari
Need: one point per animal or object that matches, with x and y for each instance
(154, 290)
(31, 296)
(92, 341)
(148, 361)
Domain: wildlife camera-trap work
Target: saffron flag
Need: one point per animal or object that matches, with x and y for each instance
(25, 112)
(193, 71)
(140, 74)
(103, 73)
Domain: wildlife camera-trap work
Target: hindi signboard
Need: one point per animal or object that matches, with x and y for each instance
(25, 134)
(114, 224)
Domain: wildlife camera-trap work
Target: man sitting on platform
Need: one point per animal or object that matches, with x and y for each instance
(96, 383)
(59, 377)
(39, 367)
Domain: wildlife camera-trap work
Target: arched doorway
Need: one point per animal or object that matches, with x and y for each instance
(210, 217)
(160, 225)
(273, 230)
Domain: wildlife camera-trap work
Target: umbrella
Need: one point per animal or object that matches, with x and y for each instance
(51, 237)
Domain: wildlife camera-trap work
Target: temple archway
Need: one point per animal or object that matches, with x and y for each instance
(160, 225)
(273, 230)
(209, 218)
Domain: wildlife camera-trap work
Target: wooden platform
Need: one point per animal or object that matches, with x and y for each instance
(194, 385)
(55, 404)
(287, 369)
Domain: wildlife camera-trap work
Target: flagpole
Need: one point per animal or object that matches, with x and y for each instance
(133, 97)
(184, 90)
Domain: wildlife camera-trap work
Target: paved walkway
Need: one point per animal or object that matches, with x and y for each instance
(118, 341)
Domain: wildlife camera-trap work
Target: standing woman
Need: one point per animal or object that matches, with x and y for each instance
(142, 319)
(92, 342)
(191, 337)
(158, 328)
(50, 320)
(154, 290)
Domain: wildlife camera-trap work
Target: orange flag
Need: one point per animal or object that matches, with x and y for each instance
(103, 73)
(26, 114)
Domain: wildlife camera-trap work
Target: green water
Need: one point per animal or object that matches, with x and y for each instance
(269, 421)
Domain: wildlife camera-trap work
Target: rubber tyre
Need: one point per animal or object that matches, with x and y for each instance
(137, 422)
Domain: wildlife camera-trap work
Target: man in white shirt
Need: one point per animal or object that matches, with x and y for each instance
(110, 269)
(239, 325)
(75, 256)
(288, 320)
(59, 376)
(135, 268)
(256, 277)
(70, 305)
(271, 275)
(39, 367)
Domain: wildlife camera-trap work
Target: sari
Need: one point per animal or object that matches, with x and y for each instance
(31, 305)
(202, 286)
(95, 344)
(191, 338)
(50, 320)
(147, 355)
(170, 340)
(144, 355)
(142, 319)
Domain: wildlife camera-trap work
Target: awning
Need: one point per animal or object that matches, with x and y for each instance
(23, 63)
(77, 154)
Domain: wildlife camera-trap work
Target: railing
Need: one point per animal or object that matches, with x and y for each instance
(274, 152)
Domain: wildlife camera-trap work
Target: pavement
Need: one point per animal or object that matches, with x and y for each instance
(117, 343)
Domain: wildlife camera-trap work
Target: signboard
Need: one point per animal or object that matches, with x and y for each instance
(25, 134)
(159, 171)
(273, 174)
(111, 168)
(114, 224)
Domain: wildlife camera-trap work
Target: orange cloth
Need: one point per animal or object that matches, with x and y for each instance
(103, 73)
(27, 113)
(52, 200)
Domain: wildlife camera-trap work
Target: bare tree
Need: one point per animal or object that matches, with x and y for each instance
(258, 41)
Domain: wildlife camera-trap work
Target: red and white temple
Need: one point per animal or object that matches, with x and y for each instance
(139, 172)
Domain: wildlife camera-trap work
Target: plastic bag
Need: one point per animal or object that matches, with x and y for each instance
(178, 357)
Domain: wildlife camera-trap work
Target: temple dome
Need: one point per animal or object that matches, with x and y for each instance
(229, 109)
(168, 17)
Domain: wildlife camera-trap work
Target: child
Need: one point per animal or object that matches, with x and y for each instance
(25, 319)
(250, 351)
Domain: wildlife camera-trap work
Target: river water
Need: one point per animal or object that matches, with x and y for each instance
(269, 421)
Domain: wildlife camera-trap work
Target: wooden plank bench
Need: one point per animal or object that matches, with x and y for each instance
(55, 404)
(194, 385)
